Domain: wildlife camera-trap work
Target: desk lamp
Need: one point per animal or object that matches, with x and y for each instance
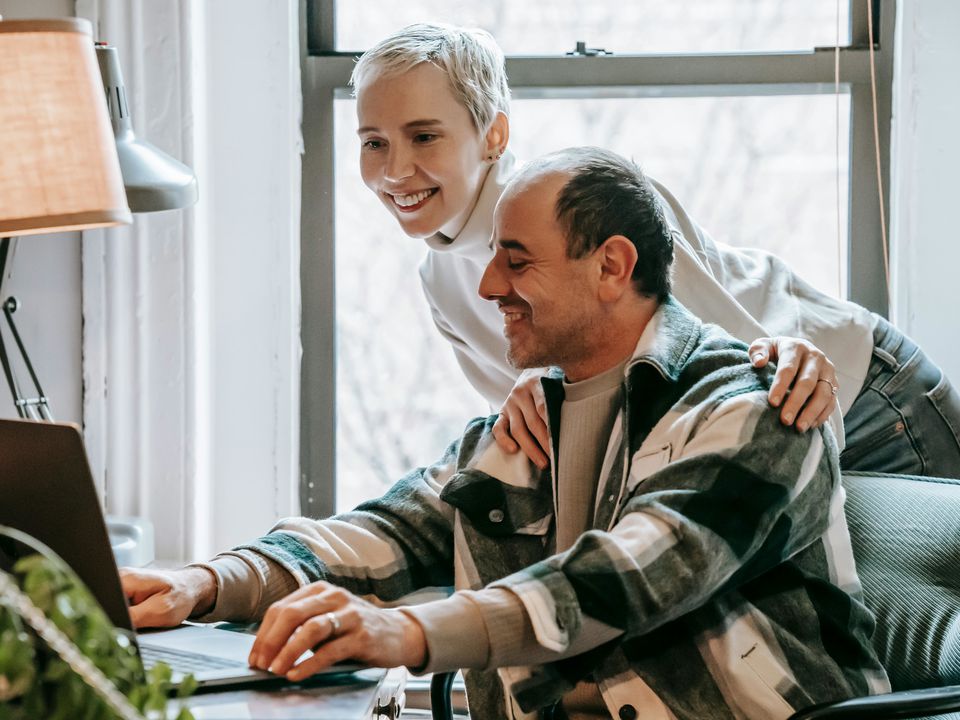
(58, 162)
(61, 166)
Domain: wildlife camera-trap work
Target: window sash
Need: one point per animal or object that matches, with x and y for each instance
(325, 76)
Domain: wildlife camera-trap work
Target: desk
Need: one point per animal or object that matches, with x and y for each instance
(358, 697)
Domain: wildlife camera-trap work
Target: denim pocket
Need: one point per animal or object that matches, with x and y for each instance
(877, 447)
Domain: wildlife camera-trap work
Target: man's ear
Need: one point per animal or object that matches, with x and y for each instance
(617, 257)
(498, 134)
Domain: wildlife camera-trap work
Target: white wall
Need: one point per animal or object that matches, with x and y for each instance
(925, 255)
(253, 145)
(45, 278)
(192, 316)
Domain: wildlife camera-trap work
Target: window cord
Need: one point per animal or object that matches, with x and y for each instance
(876, 147)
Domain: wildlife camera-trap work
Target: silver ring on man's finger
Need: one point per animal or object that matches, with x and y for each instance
(335, 624)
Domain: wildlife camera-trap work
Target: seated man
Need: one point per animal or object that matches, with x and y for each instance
(685, 555)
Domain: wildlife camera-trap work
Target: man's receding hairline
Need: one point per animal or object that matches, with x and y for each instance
(530, 175)
(522, 183)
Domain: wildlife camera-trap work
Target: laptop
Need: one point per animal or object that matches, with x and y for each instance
(47, 491)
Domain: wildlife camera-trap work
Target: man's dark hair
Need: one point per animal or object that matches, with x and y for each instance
(609, 195)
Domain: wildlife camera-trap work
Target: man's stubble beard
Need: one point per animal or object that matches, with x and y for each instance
(561, 347)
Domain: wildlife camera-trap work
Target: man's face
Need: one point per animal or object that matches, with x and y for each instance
(419, 150)
(549, 304)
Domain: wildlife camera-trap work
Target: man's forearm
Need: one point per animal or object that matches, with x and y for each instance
(244, 586)
(490, 628)
(206, 590)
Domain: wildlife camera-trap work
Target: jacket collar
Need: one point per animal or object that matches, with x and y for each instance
(667, 341)
(651, 373)
(665, 344)
(473, 241)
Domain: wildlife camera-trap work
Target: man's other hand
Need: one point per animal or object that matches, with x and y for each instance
(805, 384)
(165, 598)
(336, 625)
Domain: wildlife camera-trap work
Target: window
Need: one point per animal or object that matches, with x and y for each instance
(637, 26)
(754, 139)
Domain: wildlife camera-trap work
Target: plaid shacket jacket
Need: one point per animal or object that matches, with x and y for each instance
(719, 547)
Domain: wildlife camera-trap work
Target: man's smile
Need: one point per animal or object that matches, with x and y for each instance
(512, 316)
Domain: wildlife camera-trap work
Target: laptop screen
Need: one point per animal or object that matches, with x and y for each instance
(47, 491)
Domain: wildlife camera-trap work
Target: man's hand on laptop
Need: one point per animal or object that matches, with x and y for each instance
(336, 625)
(165, 598)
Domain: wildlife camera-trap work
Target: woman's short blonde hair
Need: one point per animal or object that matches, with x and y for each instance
(470, 57)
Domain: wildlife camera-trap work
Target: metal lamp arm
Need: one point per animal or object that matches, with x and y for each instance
(33, 408)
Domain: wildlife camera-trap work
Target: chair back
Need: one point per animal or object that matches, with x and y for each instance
(906, 541)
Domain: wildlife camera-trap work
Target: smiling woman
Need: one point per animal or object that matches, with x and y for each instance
(420, 151)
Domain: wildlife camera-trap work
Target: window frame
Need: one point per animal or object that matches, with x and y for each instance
(325, 76)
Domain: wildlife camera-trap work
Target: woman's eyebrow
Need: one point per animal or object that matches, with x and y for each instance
(427, 122)
(412, 125)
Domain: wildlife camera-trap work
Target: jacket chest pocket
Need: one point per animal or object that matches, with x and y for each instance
(645, 462)
(498, 509)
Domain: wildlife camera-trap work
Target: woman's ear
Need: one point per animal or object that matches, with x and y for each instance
(498, 134)
(617, 257)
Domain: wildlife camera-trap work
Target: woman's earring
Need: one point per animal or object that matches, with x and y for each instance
(494, 157)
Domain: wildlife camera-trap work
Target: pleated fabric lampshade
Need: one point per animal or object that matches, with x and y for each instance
(58, 159)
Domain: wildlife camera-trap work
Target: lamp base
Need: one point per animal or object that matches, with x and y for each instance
(131, 539)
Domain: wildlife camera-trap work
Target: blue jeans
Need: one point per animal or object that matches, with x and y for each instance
(906, 418)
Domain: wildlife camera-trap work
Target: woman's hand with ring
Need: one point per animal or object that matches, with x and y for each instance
(801, 387)
(522, 424)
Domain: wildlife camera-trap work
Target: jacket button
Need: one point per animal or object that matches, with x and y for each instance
(496, 515)
(628, 712)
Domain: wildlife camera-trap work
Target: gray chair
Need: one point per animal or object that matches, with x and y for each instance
(906, 541)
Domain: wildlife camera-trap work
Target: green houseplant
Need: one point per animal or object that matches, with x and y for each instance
(60, 657)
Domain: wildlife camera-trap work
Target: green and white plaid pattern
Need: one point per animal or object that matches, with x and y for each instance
(719, 547)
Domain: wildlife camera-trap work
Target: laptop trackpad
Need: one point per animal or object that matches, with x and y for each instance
(201, 639)
(214, 656)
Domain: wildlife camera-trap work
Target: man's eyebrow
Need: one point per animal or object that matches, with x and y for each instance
(412, 125)
(510, 245)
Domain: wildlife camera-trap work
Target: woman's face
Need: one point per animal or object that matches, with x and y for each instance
(419, 150)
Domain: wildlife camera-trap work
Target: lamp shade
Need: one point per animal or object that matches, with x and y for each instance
(58, 161)
(153, 179)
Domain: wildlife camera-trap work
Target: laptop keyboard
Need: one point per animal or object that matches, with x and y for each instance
(182, 661)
